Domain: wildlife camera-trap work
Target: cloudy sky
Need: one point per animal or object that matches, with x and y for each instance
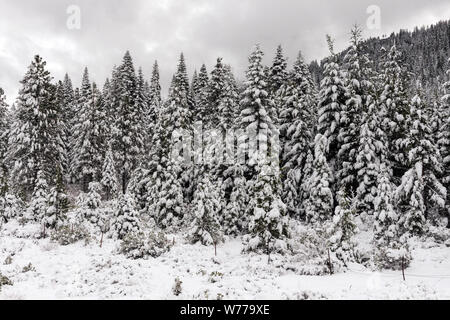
(202, 29)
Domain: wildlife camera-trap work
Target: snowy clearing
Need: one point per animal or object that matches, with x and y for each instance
(86, 271)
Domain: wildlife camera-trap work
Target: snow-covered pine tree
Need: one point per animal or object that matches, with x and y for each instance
(127, 137)
(37, 208)
(255, 107)
(320, 204)
(178, 117)
(343, 228)
(155, 88)
(277, 77)
(4, 132)
(359, 90)
(215, 94)
(296, 98)
(57, 204)
(304, 192)
(228, 109)
(331, 102)
(268, 226)
(395, 103)
(88, 138)
(206, 211)
(420, 191)
(235, 213)
(388, 248)
(444, 137)
(109, 176)
(126, 217)
(34, 139)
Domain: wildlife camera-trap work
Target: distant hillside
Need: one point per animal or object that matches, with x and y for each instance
(426, 51)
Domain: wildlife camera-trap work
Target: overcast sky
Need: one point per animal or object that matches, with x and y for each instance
(202, 29)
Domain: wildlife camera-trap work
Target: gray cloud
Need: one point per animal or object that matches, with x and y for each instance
(202, 29)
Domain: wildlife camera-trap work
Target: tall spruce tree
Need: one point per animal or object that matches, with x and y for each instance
(420, 191)
(332, 98)
(34, 143)
(394, 100)
(127, 137)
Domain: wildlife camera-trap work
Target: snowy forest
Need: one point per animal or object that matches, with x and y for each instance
(359, 145)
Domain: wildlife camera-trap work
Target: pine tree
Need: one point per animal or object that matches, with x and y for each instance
(359, 89)
(109, 176)
(37, 208)
(4, 133)
(58, 205)
(389, 250)
(255, 108)
(228, 109)
(268, 222)
(88, 143)
(320, 205)
(296, 98)
(125, 218)
(343, 229)
(235, 212)
(444, 136)
(206, 209)
(331, 102)
(34, 140)
(371, 153)
(127, 138)
(165, 195)
(420, 191)
(394, 101)
(277, 77)
(155, 88)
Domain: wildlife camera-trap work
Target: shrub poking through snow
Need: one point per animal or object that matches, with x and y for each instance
(126, 218)
(176, 289)
(10, 207)
(4, 281)
(140, 245)
(69, 234)
(343, 229)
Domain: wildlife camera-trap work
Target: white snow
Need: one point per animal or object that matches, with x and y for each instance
(86, 271)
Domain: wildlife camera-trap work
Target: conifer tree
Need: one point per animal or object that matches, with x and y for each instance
(126, 218)
(57, 205)
(206, 210)
(394, 101)
(235, 213)
(359, 89)
(320, 205)
(109, 176)
(296, 97)
(88, 143)
(444, 137)
(34, 143)
(331, 102)
(277, 77)
(343, 229)
(389, 249)
(255, 110)
(420, 191)
(37, 208)
(127, 138)
(4, 133)
(268, 221)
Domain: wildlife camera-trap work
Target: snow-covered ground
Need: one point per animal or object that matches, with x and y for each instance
(86, 271)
